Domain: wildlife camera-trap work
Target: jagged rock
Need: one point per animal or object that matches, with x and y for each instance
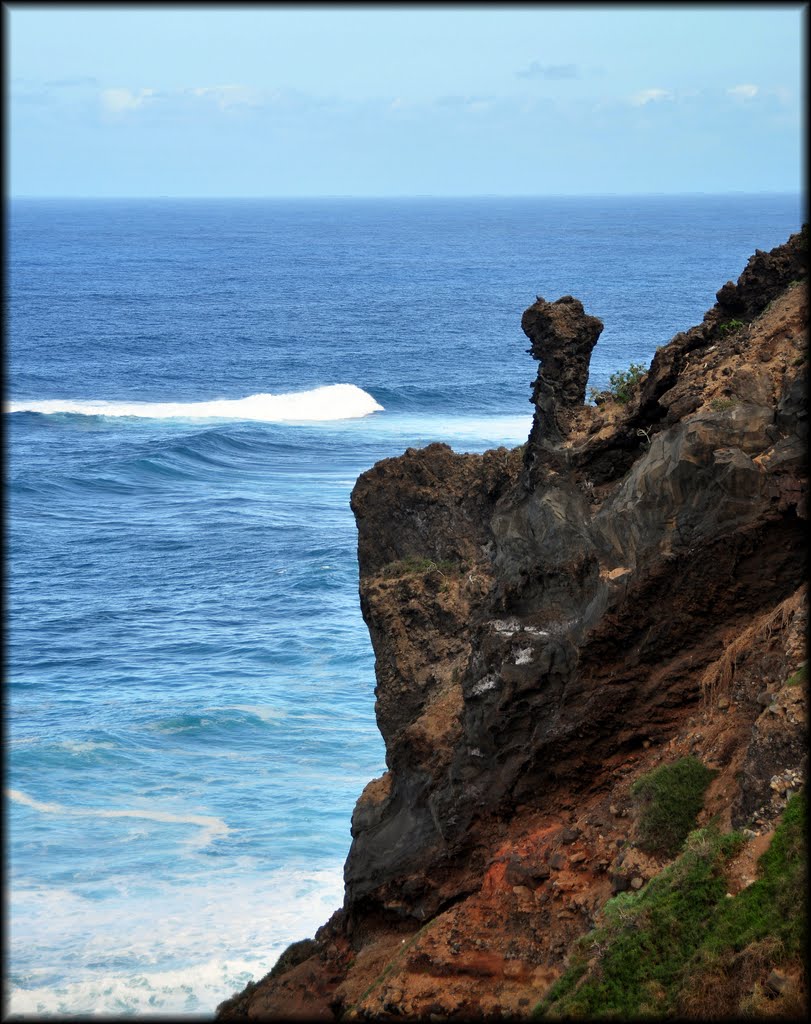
(563, 336)
(765, 276)
(545, 627)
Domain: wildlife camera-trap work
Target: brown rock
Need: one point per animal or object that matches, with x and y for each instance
(776, 983)
(535, 621)
(562, 337)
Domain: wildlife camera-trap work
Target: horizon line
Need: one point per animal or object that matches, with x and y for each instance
(424, 195)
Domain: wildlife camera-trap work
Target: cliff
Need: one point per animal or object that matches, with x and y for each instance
(551, 624)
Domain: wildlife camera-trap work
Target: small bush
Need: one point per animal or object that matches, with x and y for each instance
(728, 326)
(638, 956)
(680, 944)
(722, 404)
(670, 798)
(800, 677)
(624, 382)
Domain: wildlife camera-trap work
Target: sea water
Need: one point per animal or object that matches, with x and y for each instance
(192, 389)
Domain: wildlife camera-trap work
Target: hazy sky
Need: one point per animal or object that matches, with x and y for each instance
(399, 100)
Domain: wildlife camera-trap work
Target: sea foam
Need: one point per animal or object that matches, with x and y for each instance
(331, 402)
(179, 949)
(213, 828)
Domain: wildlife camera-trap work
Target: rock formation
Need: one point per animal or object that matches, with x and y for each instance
(550, 623)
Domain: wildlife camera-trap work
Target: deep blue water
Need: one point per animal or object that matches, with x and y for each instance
(190, 683)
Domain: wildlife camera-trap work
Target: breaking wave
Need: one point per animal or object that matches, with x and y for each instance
(331, 402)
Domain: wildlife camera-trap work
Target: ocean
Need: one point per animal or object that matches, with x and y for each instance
(193, 387)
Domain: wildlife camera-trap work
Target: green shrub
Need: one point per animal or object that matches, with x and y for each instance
(728, 326)
(800, 677)
(639, 954)
(659, 946)
(623, 383)
(670, 798)
(721, 404)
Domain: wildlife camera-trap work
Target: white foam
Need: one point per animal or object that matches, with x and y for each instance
(332, 402)
(494, 430)
(85, 746)
(179, 949)
(192, 991)
(263, 711)
(213, 828)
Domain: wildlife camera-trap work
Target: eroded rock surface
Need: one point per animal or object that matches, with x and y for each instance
(562, 336)
(549, 623)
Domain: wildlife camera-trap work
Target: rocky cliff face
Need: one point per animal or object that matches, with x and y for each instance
(550, 623)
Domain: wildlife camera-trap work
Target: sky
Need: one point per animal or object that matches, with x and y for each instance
(400, 100)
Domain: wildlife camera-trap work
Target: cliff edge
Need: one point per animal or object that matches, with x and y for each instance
(552, 625)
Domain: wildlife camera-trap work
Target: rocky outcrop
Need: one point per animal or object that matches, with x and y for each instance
(552, 621)
(562, 337)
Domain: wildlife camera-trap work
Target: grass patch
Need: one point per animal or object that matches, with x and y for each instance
(639, 954)
(773, 905)
(721, 404)
(414, 566)
(681, 936)
(800, 677)
(670, 798)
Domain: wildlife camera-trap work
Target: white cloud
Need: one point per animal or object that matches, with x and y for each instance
(743, 92)
(639, 99)
(118, 101)
(228, 95)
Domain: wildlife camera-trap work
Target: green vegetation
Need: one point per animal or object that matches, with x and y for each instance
(681, 944)
(623, 383)
(414, 565)
(728, 326)
(722, 404)
(670, 798)
(800, 677)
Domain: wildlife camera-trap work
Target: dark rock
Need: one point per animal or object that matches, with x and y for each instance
(562, 336)
(765, 276)
(535, 619)
(525, 873)
(776, 983)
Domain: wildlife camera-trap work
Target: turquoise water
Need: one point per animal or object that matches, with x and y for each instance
(190, 705)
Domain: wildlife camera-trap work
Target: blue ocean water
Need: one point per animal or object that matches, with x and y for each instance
(190, 705)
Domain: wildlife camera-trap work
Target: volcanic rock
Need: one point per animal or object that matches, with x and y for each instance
(551, 622)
